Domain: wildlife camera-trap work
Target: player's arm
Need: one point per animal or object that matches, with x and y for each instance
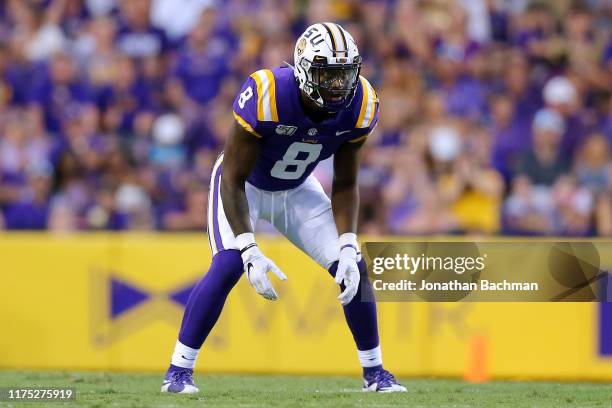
(239, 157)
(345, 191)
(240, 154)
(345, 206)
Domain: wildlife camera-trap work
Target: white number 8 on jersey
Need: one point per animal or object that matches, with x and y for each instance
(280, 169)
(245, 96)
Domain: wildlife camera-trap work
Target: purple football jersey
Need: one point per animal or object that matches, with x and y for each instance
(269, 107)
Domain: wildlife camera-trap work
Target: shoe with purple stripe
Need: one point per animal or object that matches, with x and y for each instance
(179, 380)
(380, 380)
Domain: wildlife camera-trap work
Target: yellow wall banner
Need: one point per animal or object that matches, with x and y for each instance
(114, 302)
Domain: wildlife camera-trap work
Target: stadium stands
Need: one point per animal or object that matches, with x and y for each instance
(496, 117)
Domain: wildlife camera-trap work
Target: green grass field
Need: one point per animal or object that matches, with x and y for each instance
(142, 391)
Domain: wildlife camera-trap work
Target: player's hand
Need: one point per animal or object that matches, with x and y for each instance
(348, 271)
(257, 266)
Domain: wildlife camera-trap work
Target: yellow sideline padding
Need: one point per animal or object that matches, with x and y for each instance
(113, 302)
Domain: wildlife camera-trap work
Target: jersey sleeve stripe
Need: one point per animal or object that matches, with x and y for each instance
(259, 84)
(364, 103)
(272, 92)
(374, 109)
(266, 95)
(370, 99)
(245, 124)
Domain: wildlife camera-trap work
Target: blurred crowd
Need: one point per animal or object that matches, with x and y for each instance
(496, 115)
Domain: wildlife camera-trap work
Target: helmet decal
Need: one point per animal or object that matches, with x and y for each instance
(300, 46)
(338, 40)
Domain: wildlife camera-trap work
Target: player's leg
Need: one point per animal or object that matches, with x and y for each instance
(308, 222)
(361, 318)
(310, 226)
(207, 298)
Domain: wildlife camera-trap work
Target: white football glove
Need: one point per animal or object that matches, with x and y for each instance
(348, 271)
(257, 266)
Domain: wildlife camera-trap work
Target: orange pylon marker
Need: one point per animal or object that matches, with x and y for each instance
(477, 364)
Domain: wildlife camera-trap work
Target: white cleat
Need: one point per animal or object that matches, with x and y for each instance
(381, 381)
(179, 381)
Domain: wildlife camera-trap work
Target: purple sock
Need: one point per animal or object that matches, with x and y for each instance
(206, 300)
(361, 315)
(369, 370)
(177, 368)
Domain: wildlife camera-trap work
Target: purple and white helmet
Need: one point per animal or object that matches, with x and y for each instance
(327, 65)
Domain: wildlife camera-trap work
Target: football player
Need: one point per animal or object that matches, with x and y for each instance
(287, 120)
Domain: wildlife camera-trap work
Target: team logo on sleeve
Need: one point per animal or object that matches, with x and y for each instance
(285, 130)
(312, 131)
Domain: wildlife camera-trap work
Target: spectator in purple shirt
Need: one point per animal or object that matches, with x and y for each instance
(203, 61)
(526, 97)
(561, 95)
(58, 89)
(14, 73)
(127, 96)
(534, 29)
(510, 138)
(137, 37)
(31, 210)
(464, 96)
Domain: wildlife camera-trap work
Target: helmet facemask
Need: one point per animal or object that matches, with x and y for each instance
(332, 86)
